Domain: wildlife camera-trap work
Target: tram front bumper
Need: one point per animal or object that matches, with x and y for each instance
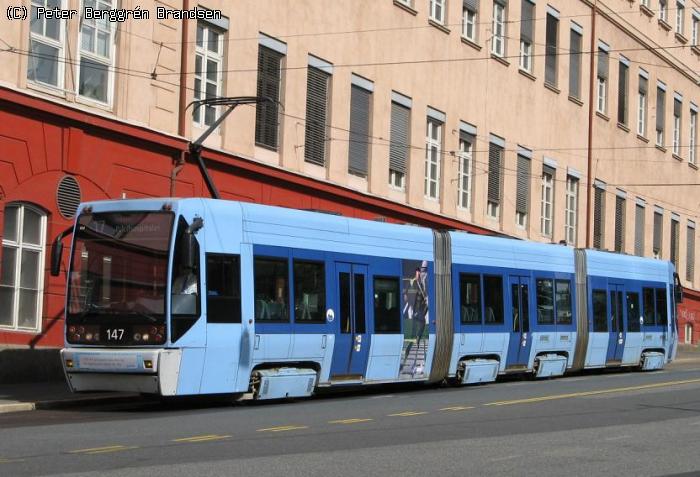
(129, 370)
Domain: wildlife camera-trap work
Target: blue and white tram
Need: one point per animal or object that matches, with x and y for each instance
(201, 296)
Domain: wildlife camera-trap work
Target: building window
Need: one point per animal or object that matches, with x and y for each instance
(470, 10)
(526, 35)
(688, 338)
(22, 268)
(622, 89)
(645, 3)
(680, 17)
(642, 105)
(690, 253)
(620, 205)
(663, 10)
(693, 136)
(660, 114)
(433, 152)
(269, 83)
(547, 209)
(498, 40)
(360, 114)
(317, 85)
(208, 77)
(575, 41)
(493, 204)
(639, 223)
(658, 232)
(598, 217)
(466, 165)
(437, 10)
(550, 59)
(399, 144)
(677, 108)
(45, 58)
(694, 31)
(675, 232)
(96, 57)
(602, 81)
(522, 192)
(571, 217)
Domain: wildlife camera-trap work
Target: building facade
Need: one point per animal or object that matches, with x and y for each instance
(555, 121)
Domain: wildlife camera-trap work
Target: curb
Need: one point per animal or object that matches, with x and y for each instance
(66, 403)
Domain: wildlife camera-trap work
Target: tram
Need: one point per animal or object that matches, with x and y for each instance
(201, 296)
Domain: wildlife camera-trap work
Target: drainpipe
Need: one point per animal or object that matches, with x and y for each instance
(589, 173)
(181, 118)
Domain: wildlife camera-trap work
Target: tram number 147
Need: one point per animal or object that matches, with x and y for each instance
(115, 334)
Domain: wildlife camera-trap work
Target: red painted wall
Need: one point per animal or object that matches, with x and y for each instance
(689, 312)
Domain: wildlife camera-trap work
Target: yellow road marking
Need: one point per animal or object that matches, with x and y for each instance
(210, 437)
(457, 408)
(593, 393)
(282, 428)
(349, 421)
(101, 450)
(408, 413)
(10, 461)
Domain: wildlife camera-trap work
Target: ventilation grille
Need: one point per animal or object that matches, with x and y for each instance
(68, 196)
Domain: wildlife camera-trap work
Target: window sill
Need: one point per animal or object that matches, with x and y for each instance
(665, 25)
(646, 10)
(439, 26)
(677, 157)
(681, 38)
(46, 89)
(405, 7)
(623, 127)
(692, 166)
(695, 49)
(660, 148)
(93, 103)
(642, 138)
(527, 74)
(469, 42)
(501, 60)
(267, 147)
(602, 116)
(552, 88)
(576, 101)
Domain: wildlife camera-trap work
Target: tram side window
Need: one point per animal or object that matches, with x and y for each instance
(185, 304)
(633, 311)
(271, 289)
(470, 299)
(648, 296)
(223, 288)
(661, 310)
(387, 305)
(545, 302)
(600, 311)
(309, 292)
(563, 295)
(493, 300)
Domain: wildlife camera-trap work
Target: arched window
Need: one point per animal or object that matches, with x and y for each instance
(22, 267)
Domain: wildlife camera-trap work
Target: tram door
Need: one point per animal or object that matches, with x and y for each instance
(616, 326)
(351, 349)
(520, 339)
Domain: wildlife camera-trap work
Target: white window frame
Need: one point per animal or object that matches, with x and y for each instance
(433, 143)
(645, 3)
(688, 335)
(602, 95)
(676, 135)
(108, 62)
(680, 18)
(693, 137)
(547, 204)
(397, 180)
(465, 174)
(526, 56)
(694, 31)
(435, 6)
(19, 245)
(641, 114)
(207, 55)
(469, 24)
(663, 12)
(571, 213)
(498, 36)
(40, 38)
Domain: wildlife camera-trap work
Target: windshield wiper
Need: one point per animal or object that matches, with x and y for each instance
(89, 308)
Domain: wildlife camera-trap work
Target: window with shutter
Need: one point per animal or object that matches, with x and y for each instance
(550, 60)
(598, 217)
(527, 13)
(622, 88)
(602, 81)
(677, 108)
(360, 103)
(522, 193)
(692, 140)
(642, 105)
(639, 223)
(547, 209)
(660, 115)
(619, 224)
(316, 116)
(690, 253)
(575, 64)
(658, 231)
(494, 180)
(399, 145)
(571, 218)
(675, 226)
(498, 39)
(470, 9)
(267, 113)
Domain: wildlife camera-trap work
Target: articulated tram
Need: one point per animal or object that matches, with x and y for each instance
(201, 296)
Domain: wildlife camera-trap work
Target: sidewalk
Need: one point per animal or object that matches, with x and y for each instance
(54, 395)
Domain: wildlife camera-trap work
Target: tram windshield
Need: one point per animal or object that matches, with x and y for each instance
(119, 268)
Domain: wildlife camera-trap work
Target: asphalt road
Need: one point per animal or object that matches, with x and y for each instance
(626, 423)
